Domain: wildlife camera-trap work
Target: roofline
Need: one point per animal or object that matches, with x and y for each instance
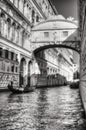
(53, 7)
(61, 20)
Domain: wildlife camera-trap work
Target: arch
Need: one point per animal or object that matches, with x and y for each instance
(59, 32)
(2, 14)
(22, 72)
(29, 66)
(54, 46)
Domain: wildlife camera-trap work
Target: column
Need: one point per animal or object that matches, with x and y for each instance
(3, 53)
(9, 28)
(17, 39)
(2, 25)
(5, 28)
(21, 5)
(25, 8)
(10, 33)
(30, 14)
(20, 36)
(16, 34)
(35, 18)
(13, 31)
(26, 73)
(16, 3)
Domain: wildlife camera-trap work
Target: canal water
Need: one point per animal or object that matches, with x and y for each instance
(56, 108)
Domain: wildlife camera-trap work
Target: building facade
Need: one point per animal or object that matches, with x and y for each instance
(82, 27)
(17, 17)
(57, 61)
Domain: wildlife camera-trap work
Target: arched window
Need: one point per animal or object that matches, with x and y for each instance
(13, 31)
(17, 31)
(37, 18)
(9, 28)
(33, 16)
(2, 22)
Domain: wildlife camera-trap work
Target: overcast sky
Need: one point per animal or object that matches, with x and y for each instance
(66, 7)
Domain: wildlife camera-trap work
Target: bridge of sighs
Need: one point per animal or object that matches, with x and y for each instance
(55, 32)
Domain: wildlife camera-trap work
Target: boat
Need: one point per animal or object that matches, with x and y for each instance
(74, 84)
(20, 90)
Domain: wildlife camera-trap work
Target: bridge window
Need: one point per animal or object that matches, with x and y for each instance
(65, 33)
(46, 34)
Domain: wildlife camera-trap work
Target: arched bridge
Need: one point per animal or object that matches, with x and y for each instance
(55, 32)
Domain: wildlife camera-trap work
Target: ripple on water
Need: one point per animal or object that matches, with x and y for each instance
(45, 109)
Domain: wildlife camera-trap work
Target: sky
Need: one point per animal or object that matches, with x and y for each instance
(66, 7)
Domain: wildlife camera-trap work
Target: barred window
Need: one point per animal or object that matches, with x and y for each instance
(46, 34)
(65, 33)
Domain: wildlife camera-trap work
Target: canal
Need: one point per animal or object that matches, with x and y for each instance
(44, 109)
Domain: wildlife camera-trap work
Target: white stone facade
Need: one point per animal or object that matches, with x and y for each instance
(17, 17)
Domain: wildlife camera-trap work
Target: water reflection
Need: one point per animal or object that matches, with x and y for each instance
(42, 106)
(13, 98)
(45, 109)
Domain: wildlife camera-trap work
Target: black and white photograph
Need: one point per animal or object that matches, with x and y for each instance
(42, 65)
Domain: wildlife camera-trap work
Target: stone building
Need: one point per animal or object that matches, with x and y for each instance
(17, 18)
(82, 33)
(57, 60)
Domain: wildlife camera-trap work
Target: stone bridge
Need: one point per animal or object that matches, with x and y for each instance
(55, 32)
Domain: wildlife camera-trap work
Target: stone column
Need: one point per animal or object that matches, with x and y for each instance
(3, 53)
(5, 28)
(30, 13)
(2, 26)
(10, 33)
(21, 5)
(20, 36)
(16, 34)
(16, 3)
(17, 39)
(25, 8)
(26, 73)
(9, 54)
(13, 31)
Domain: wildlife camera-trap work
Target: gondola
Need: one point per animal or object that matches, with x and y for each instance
(20, 90)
